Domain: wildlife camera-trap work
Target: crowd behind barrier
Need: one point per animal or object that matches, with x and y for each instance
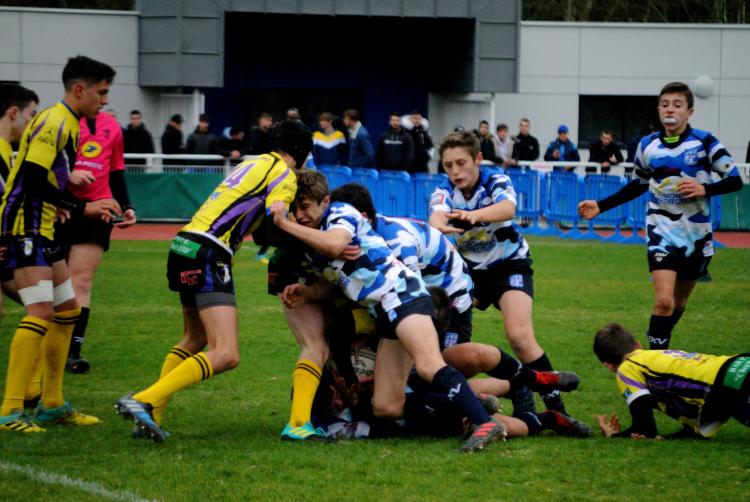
(547, 199)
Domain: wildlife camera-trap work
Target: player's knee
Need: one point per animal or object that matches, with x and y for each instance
(663, 305)
(392, 410)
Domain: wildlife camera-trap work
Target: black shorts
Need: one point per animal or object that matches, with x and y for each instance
(81, 230)
(6, 274)
(201, 271)
(32, 251)
(688, 268)
(386, 322)
(286, 267)
(459, 330)
(512, 275)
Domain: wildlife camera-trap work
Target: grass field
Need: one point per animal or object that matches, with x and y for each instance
(225, 443)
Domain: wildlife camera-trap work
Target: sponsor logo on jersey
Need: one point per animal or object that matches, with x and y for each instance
(691, 157)
(91, 149)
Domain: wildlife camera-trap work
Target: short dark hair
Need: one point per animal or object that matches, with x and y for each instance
(501, 127)
(358, 196)
(265, 115)
(15, 95)
(481, 122)
(678, 88)
(613, 342)
(311, 185)
(90, 71)
(352, 114)
(607, 131)
(394, 114)
(203, 117)
(326, 116)
(463, 139)
(135, 112)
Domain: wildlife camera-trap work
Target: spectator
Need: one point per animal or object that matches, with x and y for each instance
(137, 138)
(236, 146)
(260, 136)
(329, 145)
(525, 146)
(361, 153)
(488, 144)
(562, 149)
(293, 114)
(395, 148)
(203, 141)
(632, 143)
(504, 145)
(171, 139)
(604, 151)
(418, 128)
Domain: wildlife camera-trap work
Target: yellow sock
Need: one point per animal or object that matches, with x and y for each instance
(175, 357)
(191, 371)
(26, 345)
(56, 346)
(305, 382)
(34, 385)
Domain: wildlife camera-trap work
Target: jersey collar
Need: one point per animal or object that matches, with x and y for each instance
(681, 138)
(70, 109)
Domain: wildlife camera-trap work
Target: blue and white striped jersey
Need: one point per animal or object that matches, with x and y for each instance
(675, 224)
(425, 250)
(377, 276)
(486, 245)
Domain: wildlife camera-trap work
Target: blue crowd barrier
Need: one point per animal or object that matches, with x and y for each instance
(597, 187)
(564, 195)
(396, 194)
(636, 210)
(369, 178)
(715, 208)
(424, 185)
(336, 175)
(527, 185)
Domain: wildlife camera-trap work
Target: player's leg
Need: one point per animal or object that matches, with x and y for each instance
(36, 290)
(392, 366)
(660, 326)
(83, 260)
(516, 307)
(531, 424)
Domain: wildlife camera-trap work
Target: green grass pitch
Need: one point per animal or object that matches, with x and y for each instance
(225, 442)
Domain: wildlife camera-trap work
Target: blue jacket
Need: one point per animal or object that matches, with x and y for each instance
(567, 149)
(361, 153)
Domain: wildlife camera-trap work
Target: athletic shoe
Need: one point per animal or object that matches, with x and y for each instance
(141, 414)
(19, 422)
(564, 381)
(305, 432)
(484, 434)
(569, 426)
(63, 415)
(77, 365)
(523, 401)
(490, 403)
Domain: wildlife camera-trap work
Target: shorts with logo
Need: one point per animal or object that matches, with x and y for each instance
(387, 321)
(81, 230)
(5, 273)
(31, 251)
(688, 268)
(201, 271)
(459, 329)
(511, 275)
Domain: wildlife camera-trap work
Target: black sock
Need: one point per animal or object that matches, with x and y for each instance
(537, 422)
(659, 332)
(676, 316)
(449, 381)
(511, 369)
(79, 332)
(431, 413)
(551, 399)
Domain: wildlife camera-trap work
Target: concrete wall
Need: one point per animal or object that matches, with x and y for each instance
(37, 61)
(560, 61)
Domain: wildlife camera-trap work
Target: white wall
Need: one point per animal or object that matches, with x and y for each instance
(560, 61)
(37, 61)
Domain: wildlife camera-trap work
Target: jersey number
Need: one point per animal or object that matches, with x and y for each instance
(235, 178)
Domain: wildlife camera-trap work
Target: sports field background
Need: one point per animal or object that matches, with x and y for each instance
(225, 443)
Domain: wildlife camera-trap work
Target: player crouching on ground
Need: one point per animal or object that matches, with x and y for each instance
(699, 390)
(404, 311)
(200, 269)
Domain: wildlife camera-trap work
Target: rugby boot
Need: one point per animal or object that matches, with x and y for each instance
(564, 381)
(19, 421)
(484, 434)
(569, 426)
(141, 414)
(305, 432)
(523, 401)
(63, 415)
(77, 365)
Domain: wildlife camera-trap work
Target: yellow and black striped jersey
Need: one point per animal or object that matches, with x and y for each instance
(678, 381)
(237, 206)
(6, 156)
(51, 141)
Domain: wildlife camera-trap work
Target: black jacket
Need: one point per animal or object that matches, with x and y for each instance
(600, 153)
(171, 141)
(137, 140)
(395, 151)
(525, 148)
(202, 143)
(422, 145)
(260, 141)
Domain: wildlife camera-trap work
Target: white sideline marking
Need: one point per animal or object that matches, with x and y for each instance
(59, 479)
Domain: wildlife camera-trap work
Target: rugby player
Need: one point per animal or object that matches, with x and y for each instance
(675, 165)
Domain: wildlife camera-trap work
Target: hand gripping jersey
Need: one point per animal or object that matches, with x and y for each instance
(678, 381)
(100, 152)
(675, 224)
(376, 276)
(237, 206)
(51, 141)
(486, 245)
(424, 249)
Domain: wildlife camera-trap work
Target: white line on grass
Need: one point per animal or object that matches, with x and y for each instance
(60, 479)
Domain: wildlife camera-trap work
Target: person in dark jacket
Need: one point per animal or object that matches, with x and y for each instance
(604, 151)
(487, 143)
(136, 138)
(260, 136)
(234, 147)
(422, 143)
(395, 148)
(526, 146)
(562, 149)
(361, 153)
(171, 140)
(203, 141)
